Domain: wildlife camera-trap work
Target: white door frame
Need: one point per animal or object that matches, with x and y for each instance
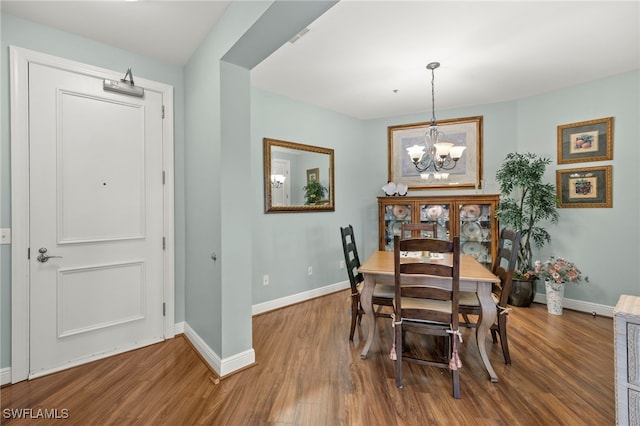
(286, 187)
(19, 81)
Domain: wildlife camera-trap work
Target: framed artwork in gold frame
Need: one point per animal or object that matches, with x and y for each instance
(585, 187)
(462, 131)
(586, 141)
(313, 175)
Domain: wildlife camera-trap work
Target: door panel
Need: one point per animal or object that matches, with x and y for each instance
(100, 173)
(99, 297)
(96, 202)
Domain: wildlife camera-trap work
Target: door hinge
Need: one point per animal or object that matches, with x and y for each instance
(164, 309)
(28, 253)
(164, 243)
(162, 111)
(163, 177)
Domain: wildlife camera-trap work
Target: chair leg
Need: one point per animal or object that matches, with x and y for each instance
(502, 329)
(446, 347)
(466, 318)
(355, 316)
(494, 334)
(455, 376)
(398, 337)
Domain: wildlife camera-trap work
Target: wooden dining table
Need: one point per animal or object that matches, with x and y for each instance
(379, 269)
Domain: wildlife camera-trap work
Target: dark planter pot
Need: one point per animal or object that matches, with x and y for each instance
(522, 292)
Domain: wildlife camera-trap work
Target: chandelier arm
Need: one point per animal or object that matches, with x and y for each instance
(439, 164)
(423, 166)
(449, 164)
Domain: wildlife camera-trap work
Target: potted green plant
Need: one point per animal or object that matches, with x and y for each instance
(314, 192)
(526, 201)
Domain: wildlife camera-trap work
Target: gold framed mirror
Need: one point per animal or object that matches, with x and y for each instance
(297, 177)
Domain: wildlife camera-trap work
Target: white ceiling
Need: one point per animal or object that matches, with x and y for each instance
(166, 30)
(367, 59)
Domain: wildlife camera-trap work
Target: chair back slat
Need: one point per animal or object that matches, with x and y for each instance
(434, 245)
(426, 293)
(427, 315)
(420, 230)
(425, 269)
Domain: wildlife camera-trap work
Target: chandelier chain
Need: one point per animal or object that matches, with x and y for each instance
(440, 154)
(433, 98)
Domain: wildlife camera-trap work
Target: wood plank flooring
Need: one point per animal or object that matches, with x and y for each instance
(308, 373)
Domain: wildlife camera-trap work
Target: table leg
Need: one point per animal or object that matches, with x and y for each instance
(487, 318)
(367, 306)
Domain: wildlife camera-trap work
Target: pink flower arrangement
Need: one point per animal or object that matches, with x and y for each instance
(558, 270)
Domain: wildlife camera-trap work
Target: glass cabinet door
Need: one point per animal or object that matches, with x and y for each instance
(472, 217)
(476, 232)
(438, 214)
(394, 216)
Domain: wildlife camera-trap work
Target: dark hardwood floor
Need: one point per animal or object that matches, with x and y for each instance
(308, 373)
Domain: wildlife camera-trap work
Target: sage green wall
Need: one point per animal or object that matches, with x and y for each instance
(286, 244)
(585, 236)
(26, 34)
(603, 242)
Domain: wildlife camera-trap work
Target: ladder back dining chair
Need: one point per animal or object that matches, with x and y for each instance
(382, 294)
(503, 266)
(427, 305)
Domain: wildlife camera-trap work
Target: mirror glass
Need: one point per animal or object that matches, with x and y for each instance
(297, 177)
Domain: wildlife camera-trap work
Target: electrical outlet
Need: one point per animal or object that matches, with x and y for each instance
(265, 280)
(310, 271)
(5, 236)
(342, 264)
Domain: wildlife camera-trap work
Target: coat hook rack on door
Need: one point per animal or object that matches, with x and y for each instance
(124, 86)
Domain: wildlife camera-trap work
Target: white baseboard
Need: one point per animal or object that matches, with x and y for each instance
(579, 305)
(237, 362)
(203, 349)
(5, 376)
(221, 366)
(241, 360)
(261, 308)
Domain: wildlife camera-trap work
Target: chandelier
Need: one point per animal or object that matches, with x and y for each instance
(277, 180)
(440, 154)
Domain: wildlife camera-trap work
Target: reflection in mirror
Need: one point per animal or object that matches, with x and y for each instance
(297, 177)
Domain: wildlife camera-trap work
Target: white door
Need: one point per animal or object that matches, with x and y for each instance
(280, 193)
(96, 207)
